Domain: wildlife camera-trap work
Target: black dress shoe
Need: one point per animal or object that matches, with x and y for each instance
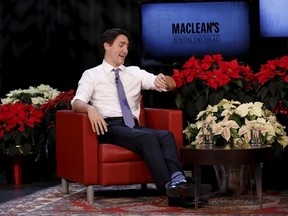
(173, 189)
(186, 189)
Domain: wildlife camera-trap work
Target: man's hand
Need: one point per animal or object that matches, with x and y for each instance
(164, 83)
(97, 121)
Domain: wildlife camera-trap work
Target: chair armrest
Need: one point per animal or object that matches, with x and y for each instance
(76, 147)
(166, 119)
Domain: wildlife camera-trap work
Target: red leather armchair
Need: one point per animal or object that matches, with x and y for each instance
(81, 159)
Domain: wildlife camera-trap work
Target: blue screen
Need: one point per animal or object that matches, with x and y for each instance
(175, 31)
(273, 18)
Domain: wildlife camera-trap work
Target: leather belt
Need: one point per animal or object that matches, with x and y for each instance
(115, 119)
(118, 119)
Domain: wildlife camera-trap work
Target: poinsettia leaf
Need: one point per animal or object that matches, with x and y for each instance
(7, 136)
(277, 149)
(272, 101)
(262, 93)
(215, 97)
(51, 135)
(275, 87)
(239, 83)
(191, 109)
(226, 87)
(233, 132)
(179, 101)
(201, 103)
(25, 97)
(283, 93)
(243, 97)
(13, 150)
(186, 90)
(27, 148)
(2, 147)
(17, 138)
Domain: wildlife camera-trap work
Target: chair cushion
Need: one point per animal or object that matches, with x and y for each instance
(109, 153)
(133, 172)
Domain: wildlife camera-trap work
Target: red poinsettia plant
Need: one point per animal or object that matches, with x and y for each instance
(17, 125)
(272, 87)
(18, 135)
(62, 101)
(208, 81)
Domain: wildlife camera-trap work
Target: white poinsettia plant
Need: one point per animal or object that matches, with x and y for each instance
(35, 96)
(232, 121)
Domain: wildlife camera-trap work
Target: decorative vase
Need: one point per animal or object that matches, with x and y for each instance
(20, 169)
(13, 168)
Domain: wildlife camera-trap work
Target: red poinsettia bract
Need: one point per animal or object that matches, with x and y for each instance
(62, 101)
(273, 84)
(277, 68)
(18, 117)
(212, 71)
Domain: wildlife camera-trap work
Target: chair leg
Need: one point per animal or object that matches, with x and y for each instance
(90, 193)
(65, 186)
(143, 186)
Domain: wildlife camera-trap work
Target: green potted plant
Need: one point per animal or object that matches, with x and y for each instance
(47, 134)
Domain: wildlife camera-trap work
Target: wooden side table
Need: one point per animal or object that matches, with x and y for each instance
(225, 155)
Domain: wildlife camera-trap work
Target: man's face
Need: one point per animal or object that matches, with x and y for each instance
(117, 52)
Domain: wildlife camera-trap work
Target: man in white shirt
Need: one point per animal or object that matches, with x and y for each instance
(97, 95)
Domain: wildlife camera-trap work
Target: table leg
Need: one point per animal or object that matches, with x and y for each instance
(197, 184)
(258, 178)
(252, 180)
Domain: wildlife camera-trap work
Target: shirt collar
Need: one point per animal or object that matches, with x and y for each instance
(108, 68)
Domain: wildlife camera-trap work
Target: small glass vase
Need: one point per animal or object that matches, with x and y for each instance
(255, 140)
(207, 134)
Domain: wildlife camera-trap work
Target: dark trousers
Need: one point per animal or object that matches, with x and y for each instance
(157, 147)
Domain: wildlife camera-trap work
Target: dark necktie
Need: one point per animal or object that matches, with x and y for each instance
(126, 111)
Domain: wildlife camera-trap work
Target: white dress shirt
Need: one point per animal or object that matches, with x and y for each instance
(97, 86)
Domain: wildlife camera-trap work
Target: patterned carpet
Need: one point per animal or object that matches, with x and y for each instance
(131, 200)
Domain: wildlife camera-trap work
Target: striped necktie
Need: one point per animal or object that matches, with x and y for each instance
(126, 111)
